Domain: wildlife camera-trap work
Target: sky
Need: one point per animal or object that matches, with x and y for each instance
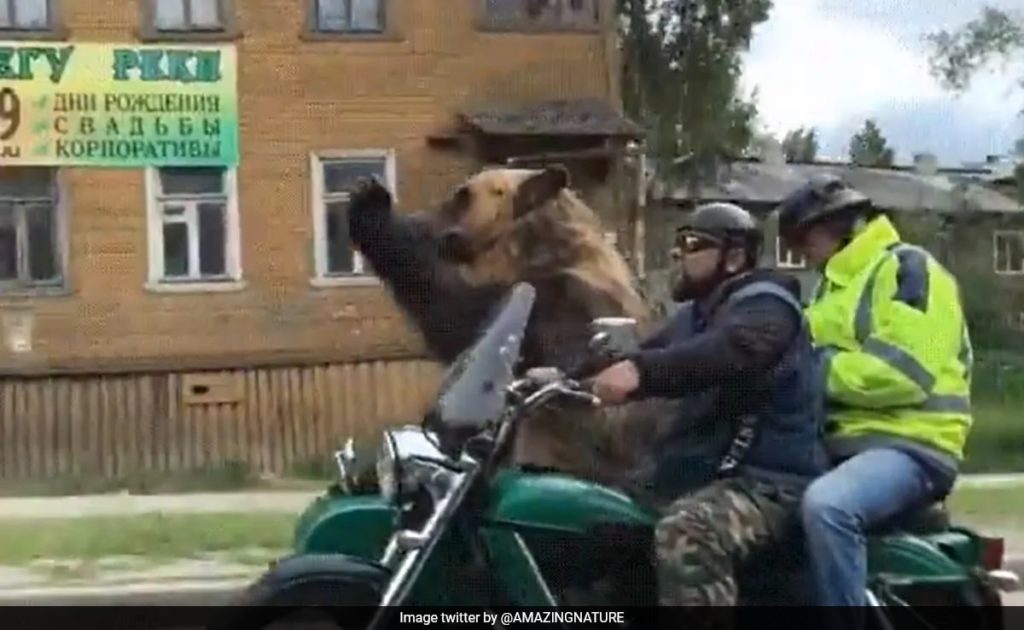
(832, 64)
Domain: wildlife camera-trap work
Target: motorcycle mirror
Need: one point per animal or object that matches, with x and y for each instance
(599, 341)
(614, 335)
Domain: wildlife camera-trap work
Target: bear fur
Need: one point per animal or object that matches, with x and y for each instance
(448, 269)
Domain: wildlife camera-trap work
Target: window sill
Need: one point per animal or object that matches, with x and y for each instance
(330, 282)
(57, 33)
(230, 286)
(149, 36)
(324, 36)
(34, 292)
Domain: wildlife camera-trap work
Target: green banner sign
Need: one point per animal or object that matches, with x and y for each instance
(86, 104)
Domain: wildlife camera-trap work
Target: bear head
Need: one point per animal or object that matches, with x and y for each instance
(485, 208)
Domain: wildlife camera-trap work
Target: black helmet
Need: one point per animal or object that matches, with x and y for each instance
(823, 197)
(726, 225)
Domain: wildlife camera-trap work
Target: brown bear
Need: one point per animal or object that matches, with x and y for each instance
(449, 268)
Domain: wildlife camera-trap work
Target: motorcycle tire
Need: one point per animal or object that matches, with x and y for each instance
(348, 603)
(942, 610)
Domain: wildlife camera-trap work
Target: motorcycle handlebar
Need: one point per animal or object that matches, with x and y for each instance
(544, 384)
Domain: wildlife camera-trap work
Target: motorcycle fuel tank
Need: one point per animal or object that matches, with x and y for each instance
(561, 502)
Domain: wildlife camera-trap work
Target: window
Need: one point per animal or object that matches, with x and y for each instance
(542, 14)
(1014, 321)
(193, 226)
(1008, 254)
(786, 258)
(24, 18)
(30, 231)
(347, 16)
(334, 174)
(189, 19)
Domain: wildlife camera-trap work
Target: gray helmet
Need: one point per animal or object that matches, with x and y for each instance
(822, 198)
(726, 225)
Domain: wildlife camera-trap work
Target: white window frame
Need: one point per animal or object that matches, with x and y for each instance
(61, 210)
(996, 234)
(787, 262)
(232, 246)
(319, 198)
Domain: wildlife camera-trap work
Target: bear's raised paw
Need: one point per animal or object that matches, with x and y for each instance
(369, 198)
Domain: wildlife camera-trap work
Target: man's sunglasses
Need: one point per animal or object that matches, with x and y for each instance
(689, 242)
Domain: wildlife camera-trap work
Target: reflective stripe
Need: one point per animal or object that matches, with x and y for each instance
(901, 361)
(946, 404)
(933, 404)
(862, 320)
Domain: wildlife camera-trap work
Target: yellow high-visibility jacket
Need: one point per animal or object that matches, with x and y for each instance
(897, 353)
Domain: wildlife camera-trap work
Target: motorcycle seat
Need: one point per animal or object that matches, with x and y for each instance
(928, 520)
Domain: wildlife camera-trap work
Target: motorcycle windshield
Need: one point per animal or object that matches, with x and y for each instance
(473, 389)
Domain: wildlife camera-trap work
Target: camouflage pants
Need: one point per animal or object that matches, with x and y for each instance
(705, 535)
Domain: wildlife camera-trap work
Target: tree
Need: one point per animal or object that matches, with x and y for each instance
(801, 145)
(959, 55)
(682, 60)
(868, 147)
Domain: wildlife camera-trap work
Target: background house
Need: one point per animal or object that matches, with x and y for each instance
(173, 317)
(975, 229)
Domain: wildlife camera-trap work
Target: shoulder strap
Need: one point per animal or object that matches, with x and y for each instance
(747, 428)
(764, 287)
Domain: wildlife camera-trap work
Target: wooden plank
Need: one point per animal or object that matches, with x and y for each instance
(268, 426)
(107, 420)
(322, 404)
(146, 414)
(178, 453)
(311, 422)
(62, 425)
(51, 447)
(79, 438)
(7, 430)
(34, 421)
(21, 433)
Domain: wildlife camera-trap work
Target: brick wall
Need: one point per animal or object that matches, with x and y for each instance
(296, 96)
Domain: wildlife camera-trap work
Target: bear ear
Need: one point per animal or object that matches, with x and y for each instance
(538, 189)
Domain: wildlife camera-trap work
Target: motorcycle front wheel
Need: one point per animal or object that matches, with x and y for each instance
(325, 599)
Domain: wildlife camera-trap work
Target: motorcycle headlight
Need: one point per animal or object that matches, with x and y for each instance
(405, 457)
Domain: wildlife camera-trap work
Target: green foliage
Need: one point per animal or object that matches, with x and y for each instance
(682, 64)
(959, 55)
(801, 145)
(868, 147)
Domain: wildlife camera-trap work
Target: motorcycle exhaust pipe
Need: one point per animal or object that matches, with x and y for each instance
(1003, 580)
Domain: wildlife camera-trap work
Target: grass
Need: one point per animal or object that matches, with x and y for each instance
(152, 536)
(996, 442)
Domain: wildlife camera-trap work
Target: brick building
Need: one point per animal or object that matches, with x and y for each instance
(165, 317)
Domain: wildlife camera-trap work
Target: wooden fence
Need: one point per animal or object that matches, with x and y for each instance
(269, 418)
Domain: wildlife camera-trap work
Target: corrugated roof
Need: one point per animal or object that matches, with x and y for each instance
(904, 190)
(579, 117)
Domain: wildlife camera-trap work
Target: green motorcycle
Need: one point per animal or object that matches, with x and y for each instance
(450, 525)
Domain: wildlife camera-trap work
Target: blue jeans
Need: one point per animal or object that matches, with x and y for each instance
(838, 506)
